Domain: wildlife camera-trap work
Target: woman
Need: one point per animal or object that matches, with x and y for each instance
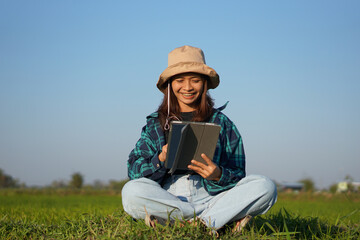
(217, 193)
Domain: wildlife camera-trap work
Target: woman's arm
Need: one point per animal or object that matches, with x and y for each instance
(144, 158)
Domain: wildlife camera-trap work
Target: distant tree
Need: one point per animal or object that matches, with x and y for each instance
(7, 181)
(98, 184)
(333, 188)
(349, 178)
(349, 181)
(77, 180)
(117, 185)
(309, 185)
(58, 184)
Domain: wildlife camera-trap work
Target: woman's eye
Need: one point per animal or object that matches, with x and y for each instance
(196, 80)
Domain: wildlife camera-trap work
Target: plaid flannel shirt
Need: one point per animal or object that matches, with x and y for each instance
(229, 154)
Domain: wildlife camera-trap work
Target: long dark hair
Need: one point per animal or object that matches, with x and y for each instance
(204, 104)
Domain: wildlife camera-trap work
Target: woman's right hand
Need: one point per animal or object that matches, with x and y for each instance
(162, 155)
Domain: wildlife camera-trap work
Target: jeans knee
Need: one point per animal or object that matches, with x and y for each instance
(126, 194)
(126, 190)
(264, 186)
(133, 190)
(270, 189)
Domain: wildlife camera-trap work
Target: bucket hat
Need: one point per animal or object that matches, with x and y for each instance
(187, 59)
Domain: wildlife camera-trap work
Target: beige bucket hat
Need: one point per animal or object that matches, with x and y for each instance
(187, 59)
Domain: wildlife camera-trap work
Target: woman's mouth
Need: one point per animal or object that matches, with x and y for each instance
(188, 95)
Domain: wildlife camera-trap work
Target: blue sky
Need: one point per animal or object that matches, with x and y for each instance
(77, 79)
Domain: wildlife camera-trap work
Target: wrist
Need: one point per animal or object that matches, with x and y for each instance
(218, 175)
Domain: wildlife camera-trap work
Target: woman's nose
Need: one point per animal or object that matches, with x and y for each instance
(188, 85)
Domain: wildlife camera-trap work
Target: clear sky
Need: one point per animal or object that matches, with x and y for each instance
(77, 79)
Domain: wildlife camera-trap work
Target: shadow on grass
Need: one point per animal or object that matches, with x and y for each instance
(288, 225)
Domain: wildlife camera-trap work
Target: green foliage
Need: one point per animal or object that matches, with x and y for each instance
(350, 186)
(7, 181)
(58, 184)
(309, 185)
(85, 215)
(117, 185)
(77, 180)
(333, 188)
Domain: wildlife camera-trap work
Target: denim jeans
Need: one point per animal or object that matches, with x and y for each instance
(183, 197)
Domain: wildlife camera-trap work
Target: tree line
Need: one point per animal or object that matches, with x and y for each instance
(77, 181)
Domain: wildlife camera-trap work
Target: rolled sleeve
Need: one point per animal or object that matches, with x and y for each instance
(229, 156)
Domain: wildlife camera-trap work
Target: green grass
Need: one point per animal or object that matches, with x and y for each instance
(325, 206)
(99, 215)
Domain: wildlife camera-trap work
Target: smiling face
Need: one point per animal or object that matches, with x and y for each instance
(188, 88)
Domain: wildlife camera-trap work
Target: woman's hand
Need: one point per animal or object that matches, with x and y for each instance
(162, 155)
(211, 171)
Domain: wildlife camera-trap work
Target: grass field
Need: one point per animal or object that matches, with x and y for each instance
(99, 215)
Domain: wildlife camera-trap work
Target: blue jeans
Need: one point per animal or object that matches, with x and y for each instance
(182, 197)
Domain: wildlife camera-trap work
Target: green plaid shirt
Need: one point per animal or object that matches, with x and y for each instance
(229, 154)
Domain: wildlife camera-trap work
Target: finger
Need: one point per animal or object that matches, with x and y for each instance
(164, 149)
(162, 157)
(202, 175)
(206, 158)
(195, 168)
(199, 164)
(198, 170)
(203, 171)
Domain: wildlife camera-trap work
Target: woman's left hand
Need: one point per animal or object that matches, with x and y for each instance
(211, 171)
